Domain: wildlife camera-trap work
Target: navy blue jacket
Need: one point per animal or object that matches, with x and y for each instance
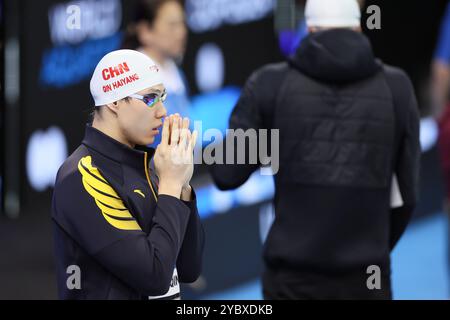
(347, 123)
(111, 224)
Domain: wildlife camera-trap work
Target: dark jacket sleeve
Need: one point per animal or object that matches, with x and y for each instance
(143, 261)
(190, 258)
(409, 151)
(252, 111)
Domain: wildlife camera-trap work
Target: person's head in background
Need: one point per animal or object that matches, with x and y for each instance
(128, 93)
(159, 30)
(333, 14)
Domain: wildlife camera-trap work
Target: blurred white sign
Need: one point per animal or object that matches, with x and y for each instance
(209, 68)
(429, 133)
(207, 15)
(97, 19)
(46, 152)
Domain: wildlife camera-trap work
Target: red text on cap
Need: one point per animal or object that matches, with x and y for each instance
(112, 72)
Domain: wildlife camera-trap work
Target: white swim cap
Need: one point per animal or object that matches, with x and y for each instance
(333, 13)
(121, 73)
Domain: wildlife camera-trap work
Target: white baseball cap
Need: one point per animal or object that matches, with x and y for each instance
(333, 13)
(121, 73)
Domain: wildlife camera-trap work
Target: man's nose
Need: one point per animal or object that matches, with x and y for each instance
(161, 112)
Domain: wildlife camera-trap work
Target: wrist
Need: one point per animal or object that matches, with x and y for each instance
(186, 193)
(170, 188)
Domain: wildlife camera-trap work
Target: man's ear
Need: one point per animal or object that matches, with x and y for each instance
(113, 107)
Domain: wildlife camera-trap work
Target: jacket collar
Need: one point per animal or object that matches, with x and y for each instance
(115, 150)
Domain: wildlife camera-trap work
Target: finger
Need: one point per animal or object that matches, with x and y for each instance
(171, 117)
(186, 123)
(170, 120)
(188, 140)
(187, 152)
(175, 135)
(193, 141)
(175, 117)
(165, 131)
(180, 122)
(185, 126)
(184, 136)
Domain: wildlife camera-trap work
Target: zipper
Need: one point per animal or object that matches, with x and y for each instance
(148, 176)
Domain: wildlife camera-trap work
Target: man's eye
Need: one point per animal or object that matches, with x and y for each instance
(149, 99)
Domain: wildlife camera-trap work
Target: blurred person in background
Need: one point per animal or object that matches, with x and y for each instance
(159, 30)
(347, 124)
(440, 89)
(131, 232)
